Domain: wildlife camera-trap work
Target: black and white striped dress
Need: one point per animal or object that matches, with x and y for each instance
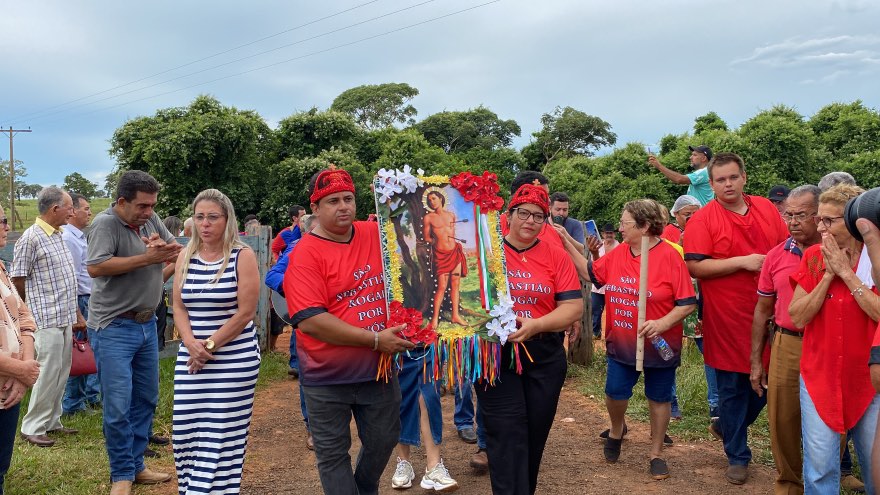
(212, 408)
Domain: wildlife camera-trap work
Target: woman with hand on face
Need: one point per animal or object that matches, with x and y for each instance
(18, 369)
(839, 315)
(670, 299)
(519, 408)
(215, 303)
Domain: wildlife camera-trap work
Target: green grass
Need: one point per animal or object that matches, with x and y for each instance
(78, 464)
(27, 210)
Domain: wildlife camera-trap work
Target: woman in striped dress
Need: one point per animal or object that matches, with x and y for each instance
(214, 306)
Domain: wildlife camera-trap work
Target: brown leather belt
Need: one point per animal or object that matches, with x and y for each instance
(138, 316)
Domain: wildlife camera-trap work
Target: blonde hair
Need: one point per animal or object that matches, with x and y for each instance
(230, 235)
(840, 194)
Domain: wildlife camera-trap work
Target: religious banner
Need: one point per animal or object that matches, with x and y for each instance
(445, 275)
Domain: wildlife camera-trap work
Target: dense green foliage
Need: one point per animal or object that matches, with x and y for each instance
(76, 183)
(265, 171)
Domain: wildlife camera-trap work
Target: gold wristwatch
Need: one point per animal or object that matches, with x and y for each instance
(210, 345)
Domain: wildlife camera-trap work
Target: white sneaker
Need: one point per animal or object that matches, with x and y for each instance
(403, 475)
(439, 480)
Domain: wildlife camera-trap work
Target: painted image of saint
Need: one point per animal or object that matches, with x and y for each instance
(447, 254)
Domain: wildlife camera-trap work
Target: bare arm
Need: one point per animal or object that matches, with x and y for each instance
(580, 262)
(804, 306)
(195, 347)
(559, 319)
(763, 313)
(670, 174)
(248, 293)
(157, 252)
(652, 328)
(714, 268)
(567, 238)
(328, 328)
(18, 282)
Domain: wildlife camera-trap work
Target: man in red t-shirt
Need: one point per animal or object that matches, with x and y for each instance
(725, 243)
(335, 292)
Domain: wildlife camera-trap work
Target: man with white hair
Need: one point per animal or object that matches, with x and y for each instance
(43, 273)
(834, 178)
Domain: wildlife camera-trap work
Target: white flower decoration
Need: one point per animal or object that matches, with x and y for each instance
(503, 321)
(393, 182)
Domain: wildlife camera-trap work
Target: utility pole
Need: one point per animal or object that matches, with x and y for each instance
(12, 132)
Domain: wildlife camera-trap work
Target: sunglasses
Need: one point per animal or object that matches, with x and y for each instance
(4, 221)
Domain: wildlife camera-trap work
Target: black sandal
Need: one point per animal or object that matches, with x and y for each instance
(612, 449)
(605, 433)
(659, 470)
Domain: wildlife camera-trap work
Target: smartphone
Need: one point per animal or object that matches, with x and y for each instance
(558, 219)
(590, 227)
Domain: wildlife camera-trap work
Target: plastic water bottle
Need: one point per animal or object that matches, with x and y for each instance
(662, 347)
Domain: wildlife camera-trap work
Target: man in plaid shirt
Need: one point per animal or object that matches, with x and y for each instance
(43, 273)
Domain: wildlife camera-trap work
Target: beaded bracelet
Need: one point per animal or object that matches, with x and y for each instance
(859, 291)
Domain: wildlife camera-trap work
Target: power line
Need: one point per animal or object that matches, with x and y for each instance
(199, 60)
(208, 69)
(343, 45)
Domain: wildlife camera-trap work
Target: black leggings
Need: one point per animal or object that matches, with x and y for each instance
(519, 411)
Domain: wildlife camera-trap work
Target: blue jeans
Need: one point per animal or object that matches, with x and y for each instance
(294, 361)
(822, 447)
(412, 386)
(128, 365)
(8, 427)
(464, 412)
(597, 302)
(711, 384)
(739, 407)
(82, 390)
(376, 410)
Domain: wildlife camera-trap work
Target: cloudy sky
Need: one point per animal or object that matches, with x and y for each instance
(76, 71)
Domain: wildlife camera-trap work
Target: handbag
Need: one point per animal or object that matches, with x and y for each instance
(82, 361)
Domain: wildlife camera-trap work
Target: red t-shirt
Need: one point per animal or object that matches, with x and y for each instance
(671, 233)
(729, 301)
(538, 277)
(278, 244)
(346, 280)
(837, 345)
(669, 285)
(775, 280)
(547, 234)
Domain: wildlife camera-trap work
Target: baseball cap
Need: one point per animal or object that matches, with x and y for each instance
(702, 149)
(608, 227)
(778, 193)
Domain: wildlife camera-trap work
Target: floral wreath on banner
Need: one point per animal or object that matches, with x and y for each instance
(471, 353)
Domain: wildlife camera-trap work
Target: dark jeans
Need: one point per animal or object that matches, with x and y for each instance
(8, 426)
(519, 411)
(597, 302)
(376, 410)
(739, 406)
(464, 412)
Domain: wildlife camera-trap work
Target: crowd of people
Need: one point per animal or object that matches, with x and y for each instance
(781, 291)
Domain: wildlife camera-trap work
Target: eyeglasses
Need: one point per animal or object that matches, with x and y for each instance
(624, 222)
(525, 214)
(4, 221)
(210, 218)
(800, 217)
(827, 221)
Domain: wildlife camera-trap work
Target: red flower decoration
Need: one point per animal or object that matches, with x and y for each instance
(480, 189)
(412, 318)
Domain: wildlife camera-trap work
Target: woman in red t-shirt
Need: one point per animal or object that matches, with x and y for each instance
(670, 299)
(839, 315)
(519, 408)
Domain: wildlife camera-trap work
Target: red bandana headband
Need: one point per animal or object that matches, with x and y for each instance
(331, 181)
(533, 194)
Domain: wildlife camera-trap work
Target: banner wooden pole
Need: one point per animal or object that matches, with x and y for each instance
(643, 301)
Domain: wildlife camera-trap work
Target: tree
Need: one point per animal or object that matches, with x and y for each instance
(76, 183)
(30, 191)
(777, 150)
(845, 129)
(568, 132)
(374, 106)
(708, 122)
(307, 134)
(20, 173)
(204, 145)
(461, 131)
